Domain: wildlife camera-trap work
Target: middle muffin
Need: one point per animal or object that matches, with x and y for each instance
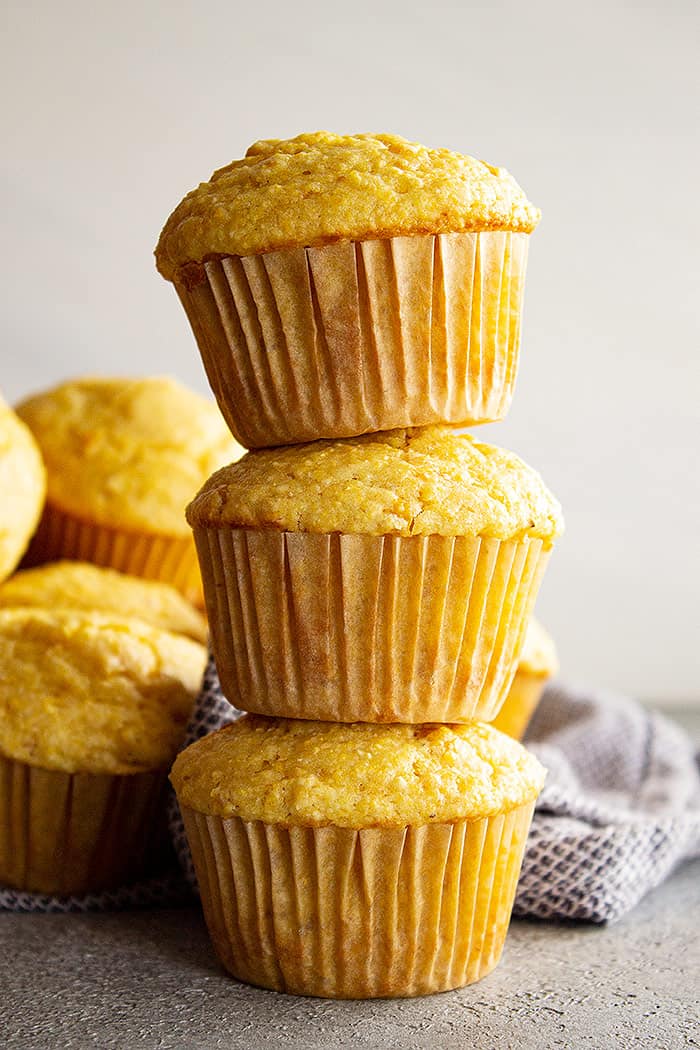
(384, 578)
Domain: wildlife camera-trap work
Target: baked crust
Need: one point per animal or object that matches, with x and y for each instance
(317, 189)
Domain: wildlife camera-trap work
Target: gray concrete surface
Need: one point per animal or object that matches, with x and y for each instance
(149, 980)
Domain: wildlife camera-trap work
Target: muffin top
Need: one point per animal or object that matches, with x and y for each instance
(23, 488)
(78, 585)
(416, 482)
(539, 654)
(93, 693)
(128, 452)
(319, 188)
(291, 772)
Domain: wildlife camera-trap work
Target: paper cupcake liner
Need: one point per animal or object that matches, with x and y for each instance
(343, 913)
(74, 833)
(170, 559)
(519, 706)
(360, 336)
(347, 628)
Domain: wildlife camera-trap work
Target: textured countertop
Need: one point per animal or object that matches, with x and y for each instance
(150, 980)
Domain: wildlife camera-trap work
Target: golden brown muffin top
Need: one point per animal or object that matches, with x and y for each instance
(416, 482)
(79, 585)
(539, 654)
(93, 693)
(291, 772)
(319, 188)
(22, 488)
(128, 452)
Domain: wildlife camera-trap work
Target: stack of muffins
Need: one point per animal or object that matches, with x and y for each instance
(369, 571)
(99, 669)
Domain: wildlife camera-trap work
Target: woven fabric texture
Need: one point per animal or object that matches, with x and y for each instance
(619, 811)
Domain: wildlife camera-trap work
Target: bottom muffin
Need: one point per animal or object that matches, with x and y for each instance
(357, 860)
(92, 710)
(538, 662)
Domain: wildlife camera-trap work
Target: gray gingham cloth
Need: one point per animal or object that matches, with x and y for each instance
(161, 891)
(619, 810)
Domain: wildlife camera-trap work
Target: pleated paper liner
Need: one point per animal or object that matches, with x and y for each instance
(73, 833)
(343, 913)
(360, 336)
(170, 559)
(519, 706)
(347, 628)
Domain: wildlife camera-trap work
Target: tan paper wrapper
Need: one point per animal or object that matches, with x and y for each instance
(360, 336)
(346, 628)
(519, 706)
(171, 559)
(358, 914)
(72, 833)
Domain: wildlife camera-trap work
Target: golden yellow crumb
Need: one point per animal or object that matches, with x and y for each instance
(539, 654)
(22, 488)
(93, 693)
(318, 188)
(128, 452)
(424, 481)
(79, 585)
(284, 771)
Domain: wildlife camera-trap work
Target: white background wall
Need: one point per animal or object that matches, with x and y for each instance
(113, 111)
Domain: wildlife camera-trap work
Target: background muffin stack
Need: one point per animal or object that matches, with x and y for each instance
(123, 457)
(98, 669)
(354, 299)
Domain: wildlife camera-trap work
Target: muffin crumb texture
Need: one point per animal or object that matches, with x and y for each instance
(539, 654)
(423, 481)
(128, 452)
(79, 585)
(93, 693)
(319, 188)
(22, 488)
(298, 773)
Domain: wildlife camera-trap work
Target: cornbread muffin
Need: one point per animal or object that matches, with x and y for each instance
(23, 485)
(93, 708)
(123, 457)
(357, 860)
(316, 189)
(340, 284)
(403, 483)
(538, 662)
(79, 585)
(386, 578)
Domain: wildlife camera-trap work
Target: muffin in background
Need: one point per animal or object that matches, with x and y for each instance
(93, 708)
(385, 578)
(123, 457)
(357, 861)
(343, 284)
(23, 488)
(80, 585)
(538, 662)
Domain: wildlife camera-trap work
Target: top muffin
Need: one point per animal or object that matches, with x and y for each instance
(127, 452)
(319, 188)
